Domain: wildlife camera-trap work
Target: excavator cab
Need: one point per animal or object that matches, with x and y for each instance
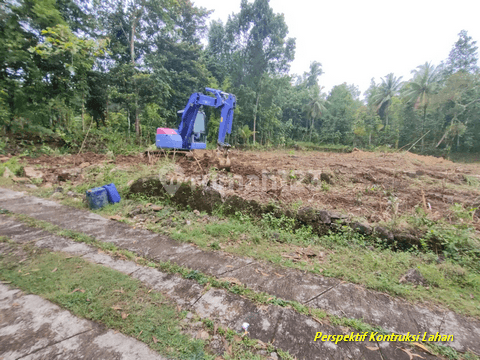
(198, 138)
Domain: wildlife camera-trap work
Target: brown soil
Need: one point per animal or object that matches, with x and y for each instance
(361, 184)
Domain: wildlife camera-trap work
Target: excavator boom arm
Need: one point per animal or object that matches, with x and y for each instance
(225, 101)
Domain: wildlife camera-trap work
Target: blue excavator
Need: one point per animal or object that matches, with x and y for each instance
(190, 135)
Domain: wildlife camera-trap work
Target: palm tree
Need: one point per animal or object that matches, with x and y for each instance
(315, 106)
(424, 84)
(383, 98)
(245, 133)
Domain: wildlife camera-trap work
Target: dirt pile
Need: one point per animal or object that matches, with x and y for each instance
(377, 187)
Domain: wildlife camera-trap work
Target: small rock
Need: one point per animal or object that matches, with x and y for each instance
(31, 173)
(189, 315)
(156, 207)
(363, 229)
(413, 276)
(188, 222)
(8, 173)
(70, 193)
(196, 212)
(273, 356)
(57, 195)
(84, 165)
(384, 233)
(31, 186)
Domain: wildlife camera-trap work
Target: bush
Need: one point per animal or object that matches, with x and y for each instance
(13, 165)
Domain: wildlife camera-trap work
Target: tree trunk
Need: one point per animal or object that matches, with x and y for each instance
(132, 44)
(255, 118)
(137, 119)
(423, 125)
(106, 108)
(128, 118)
(132, 55)
(83, 111)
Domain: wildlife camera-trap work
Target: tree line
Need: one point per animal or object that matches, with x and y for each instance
(127, 67)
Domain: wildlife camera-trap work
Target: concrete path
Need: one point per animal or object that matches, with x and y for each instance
(34, 328)
(334, 296)
(284, 327)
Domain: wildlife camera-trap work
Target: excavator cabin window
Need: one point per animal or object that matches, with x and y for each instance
(199, 126)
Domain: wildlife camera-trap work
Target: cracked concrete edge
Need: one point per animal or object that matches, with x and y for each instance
(396, 315)
(292, 332)
(34, 328)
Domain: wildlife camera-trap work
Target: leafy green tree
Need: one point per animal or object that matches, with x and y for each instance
(337, 123)
(367, 124)
(255, 43)
(310, 78)
(245, 133)
(464, 55)
(26, 92)
(74, 58)
(315, 106)
(386, 91)
(457, 106)
(422, 87)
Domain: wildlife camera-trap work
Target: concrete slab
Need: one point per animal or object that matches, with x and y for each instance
(232, 311)
(97, 345)
(30, 323)
(211, 263)
(21, 233)
(393, 351)
(396, 315)
(33, 328)
(288, 284)
(288, 332)
(285, 328)
(183, 291)
(126, 267)
(342, 299)
(466, 334)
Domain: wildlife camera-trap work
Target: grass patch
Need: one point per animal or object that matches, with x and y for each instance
(97, 293)
(240, 289)
(119, 302)
(454, 282)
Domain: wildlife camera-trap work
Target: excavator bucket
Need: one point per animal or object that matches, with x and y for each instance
(224, 161)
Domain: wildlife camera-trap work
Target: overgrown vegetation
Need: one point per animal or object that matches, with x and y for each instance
(453, 274)
(106, 75)
(210, 281)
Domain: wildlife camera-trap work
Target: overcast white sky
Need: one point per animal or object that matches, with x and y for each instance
(360, 39)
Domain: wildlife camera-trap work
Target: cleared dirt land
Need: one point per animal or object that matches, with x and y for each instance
(374, 188)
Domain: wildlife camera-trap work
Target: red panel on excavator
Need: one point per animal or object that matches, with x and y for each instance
(166, 131)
